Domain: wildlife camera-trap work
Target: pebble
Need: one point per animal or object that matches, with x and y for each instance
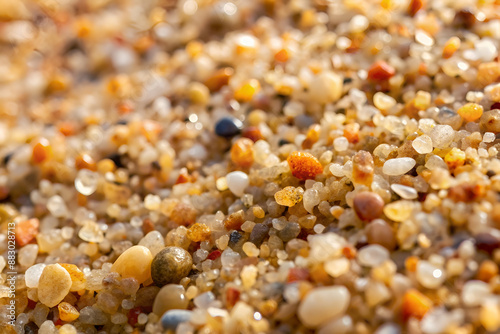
(237, 182)
(154, 241)
(372, 255)
(228, 127)
(368, 205)
(135, 262)
(27, 255)
(442, 136)
(171, 265)
(322, 305)
(304, 165)
(326, 88)
(380, 71)
(404, 192)
(471, 112)
(490, 121)
(86, 182)
(171, 319)
(383, 101)
(398, 166)
(415, 304)
(379, 232)
(91, 315)
(475, 292)
(429, 275)
(289, 196)
(422, 144)
(54, 284)
(32, 275)
(341, 325)
(171, 296)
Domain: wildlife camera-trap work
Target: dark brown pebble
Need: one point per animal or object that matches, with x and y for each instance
(368, 205)
(487, 242)
(171, 265)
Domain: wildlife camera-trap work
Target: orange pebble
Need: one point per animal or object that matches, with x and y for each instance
(455, 158)
(42, 151)
(26, 231)
(198, 232)
(85, 161)
(78, 279)
(312, 136)
(411, 263)
(351, 132)
(219, 79)
(282, 55)
(242, 152)
(67, 128)
(415, 304)
(246, 91)
(253, 133)
(380, 71)
(471, 112)
(451, 46)
(67, 312)
(487, 270)
(415, 6)
(304, 165)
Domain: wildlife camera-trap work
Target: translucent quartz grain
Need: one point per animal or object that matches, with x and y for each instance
(86, 182)
(322, 305)
(237, 182)
(442, 136)
(134, 262)
(383, 101)
(32, 275)
(372, 255)
(398, 166)
(429, 275)
(54, 284)
(422, 144)
(404, 192)
(340, 144)
(27, 255)
(326, 87)
(474, 293)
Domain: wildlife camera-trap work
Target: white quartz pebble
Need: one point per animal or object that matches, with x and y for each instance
(237, 182)
(404, 192)
(323, 304)
(422, 144)
(475, 292)
(32, 275)
(429, 275)
(372, 255)
(398, 166)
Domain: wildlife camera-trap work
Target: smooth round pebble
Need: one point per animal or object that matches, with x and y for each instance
(323, 304)
(429, 275)
(55, 283)
(368, 205)
(171, 319)
(237, 182)
(171, 296)
(171, 265)
(398, 166)
(372, 255)
(135, 262)
(228, 127)
(474, 293)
